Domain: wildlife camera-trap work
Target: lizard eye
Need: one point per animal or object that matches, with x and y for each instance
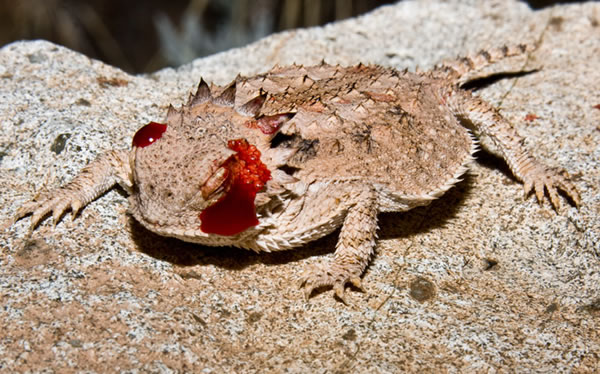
(215, 182)
(148, 134)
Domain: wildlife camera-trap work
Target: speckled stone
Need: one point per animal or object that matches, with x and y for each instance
(481, 280)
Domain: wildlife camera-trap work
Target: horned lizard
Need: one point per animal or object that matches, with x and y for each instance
(277, 160)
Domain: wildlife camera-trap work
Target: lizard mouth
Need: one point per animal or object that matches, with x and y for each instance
(239, 178)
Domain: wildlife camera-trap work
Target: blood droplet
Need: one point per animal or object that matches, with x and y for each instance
(148, 134)
(235, 211)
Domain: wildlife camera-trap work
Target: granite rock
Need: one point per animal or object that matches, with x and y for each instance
(481, 280)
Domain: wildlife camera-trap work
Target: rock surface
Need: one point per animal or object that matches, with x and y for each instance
(481, 280)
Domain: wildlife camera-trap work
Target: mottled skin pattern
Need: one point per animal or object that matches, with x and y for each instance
(342, 145)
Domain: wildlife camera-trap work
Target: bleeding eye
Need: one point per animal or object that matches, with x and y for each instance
(148, 134)
(235, 211)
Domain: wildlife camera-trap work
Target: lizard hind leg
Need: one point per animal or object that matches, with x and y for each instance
(499, 137)
(354, 249)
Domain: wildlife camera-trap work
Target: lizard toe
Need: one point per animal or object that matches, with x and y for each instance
(543, 179)
(329, 275)
(51, 204)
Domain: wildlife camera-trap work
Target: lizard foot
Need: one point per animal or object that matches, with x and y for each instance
(541, 177)
(56, 202)
(331, 274)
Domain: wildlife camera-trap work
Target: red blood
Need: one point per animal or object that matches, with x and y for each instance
(235, 211)
(232, 214)
(148, 134)
(531, 117)
(269, 125)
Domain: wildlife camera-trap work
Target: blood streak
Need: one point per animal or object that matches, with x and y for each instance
(149, 134)
(235, 211)
(269, 125)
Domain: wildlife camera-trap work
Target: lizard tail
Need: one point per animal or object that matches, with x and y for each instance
(457, 68)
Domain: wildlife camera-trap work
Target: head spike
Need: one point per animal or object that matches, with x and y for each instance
(202, 94)
(227, 97)
(252, 107)
(171, 111)
(173, 115)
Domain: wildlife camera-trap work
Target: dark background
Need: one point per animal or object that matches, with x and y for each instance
(144, 36)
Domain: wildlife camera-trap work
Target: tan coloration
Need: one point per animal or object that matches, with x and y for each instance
(342, 145)
(105, 82)
(459, 68)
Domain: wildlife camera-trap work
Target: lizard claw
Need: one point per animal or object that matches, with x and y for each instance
(542, 178)
(55, 202)
(329, 275)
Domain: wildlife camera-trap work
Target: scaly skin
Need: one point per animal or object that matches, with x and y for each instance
(341, 144)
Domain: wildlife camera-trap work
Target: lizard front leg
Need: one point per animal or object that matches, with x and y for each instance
(498, 136)
(354, 249)
(96, 178)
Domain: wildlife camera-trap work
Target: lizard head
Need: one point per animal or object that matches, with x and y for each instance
(203, 168)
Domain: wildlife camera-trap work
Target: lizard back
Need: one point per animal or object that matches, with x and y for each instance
(366, 122)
